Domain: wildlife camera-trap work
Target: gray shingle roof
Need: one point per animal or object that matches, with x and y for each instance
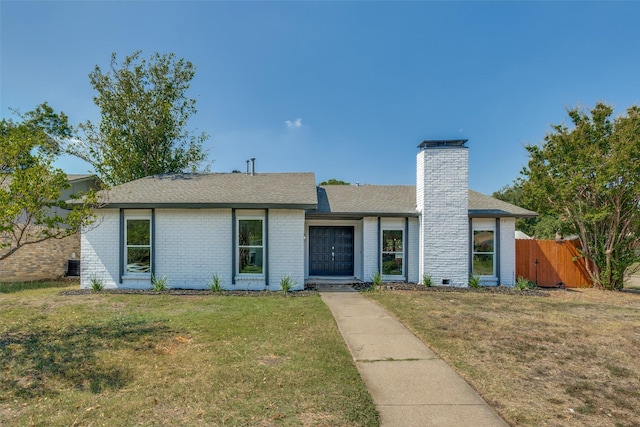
(483, 205)
(398, 200)
(378, 200)
(287, 190)
(284, 190)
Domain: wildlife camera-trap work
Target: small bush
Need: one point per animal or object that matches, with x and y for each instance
(376, 280)
(427, 280)
(159, 284)
(523, 283)
(287, 284)
(214, 284)
(474, 282)
(97, 284)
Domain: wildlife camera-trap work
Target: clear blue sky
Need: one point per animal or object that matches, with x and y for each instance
(343, 89)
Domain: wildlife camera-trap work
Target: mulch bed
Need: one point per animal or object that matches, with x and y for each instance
(485, 289)
(311, 290)
(187, 292)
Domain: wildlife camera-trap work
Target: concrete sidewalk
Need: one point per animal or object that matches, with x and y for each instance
(410, 385)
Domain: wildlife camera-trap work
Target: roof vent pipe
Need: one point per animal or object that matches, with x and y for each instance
(247, 167)
(253, 166)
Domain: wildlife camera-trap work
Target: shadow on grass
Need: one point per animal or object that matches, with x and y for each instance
(38, 363)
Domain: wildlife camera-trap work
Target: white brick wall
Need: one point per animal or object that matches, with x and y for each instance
(286, 247)
(369, 247)
(443, 189)
(191, 245)
(99, 253)
(413, 242)
(507, 251)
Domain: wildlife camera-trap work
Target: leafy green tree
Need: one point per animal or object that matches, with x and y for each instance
(589, 176)
(545, 225)
(334, 181)
(144, 115)
(30, 187)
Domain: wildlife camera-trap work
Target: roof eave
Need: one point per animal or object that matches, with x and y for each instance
(300, 206)
(496, 213)
(358, 215)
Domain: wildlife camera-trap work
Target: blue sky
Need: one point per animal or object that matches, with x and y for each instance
(343, 89)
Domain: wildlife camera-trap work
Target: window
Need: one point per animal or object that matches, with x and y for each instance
(392, 252)
(138, 245)
(250, 246)
(483, 253)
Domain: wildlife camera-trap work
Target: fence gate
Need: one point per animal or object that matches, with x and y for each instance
(551, 264)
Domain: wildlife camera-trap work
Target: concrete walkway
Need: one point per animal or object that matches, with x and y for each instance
(410, 385)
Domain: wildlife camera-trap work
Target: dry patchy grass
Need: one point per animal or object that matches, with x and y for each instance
(104, 359)
(570, 359)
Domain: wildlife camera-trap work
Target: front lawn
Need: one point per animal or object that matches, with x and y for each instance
(569, 359)
(107, 359)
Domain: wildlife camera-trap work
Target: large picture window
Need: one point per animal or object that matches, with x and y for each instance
(250, 246)
(483, 253)
(138, 245)
(392, 252)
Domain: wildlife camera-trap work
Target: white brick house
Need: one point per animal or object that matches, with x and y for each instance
(253, 229)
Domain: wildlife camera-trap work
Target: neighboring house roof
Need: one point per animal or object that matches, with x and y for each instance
(481, 205)
(522, 236)
(75, 177)
(238, 190)
(398, 200)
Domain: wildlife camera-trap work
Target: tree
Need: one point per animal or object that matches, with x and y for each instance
(144, 116)
(30, 187)
(543, 226)
(589, 176)
(334, 181)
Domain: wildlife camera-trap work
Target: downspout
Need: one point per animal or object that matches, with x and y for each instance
(470, 246)
(233, 246)
(153, 242)
(405, 250)
(497, 250)
(379, 246)
(266, 249)
(122, 244)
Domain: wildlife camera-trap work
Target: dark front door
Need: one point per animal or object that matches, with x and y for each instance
(331, 251)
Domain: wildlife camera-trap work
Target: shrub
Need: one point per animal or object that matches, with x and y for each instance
(376, 280)
(214, 284)
(159, 284)
(287, 284)
(97, 284)
(427, 280)
(474, 282)
(523, 283)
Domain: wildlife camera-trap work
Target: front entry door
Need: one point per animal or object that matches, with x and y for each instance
(331, 251)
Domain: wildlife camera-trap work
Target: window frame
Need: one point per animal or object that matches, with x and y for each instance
(126, 246)
(238, 247)
(493, 254)
(402, 253)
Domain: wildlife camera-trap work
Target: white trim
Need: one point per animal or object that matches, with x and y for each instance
(136, 215)
(392, 277)
(248, 217)
(485, 224)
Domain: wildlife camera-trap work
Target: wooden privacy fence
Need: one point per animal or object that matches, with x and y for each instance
(550, 264)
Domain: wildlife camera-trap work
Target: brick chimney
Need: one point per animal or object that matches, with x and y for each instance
(442, 198)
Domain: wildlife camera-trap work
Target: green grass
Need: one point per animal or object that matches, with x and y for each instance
(108, 359)
(7, 288)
